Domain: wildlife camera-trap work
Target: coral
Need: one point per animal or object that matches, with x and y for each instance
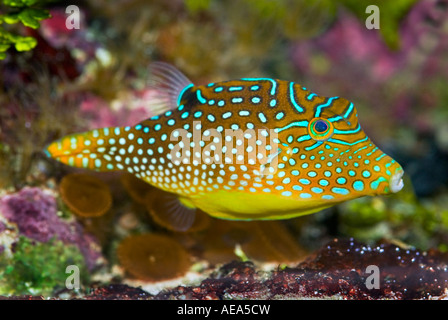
(39, 268)
(85, 195)
(137, 188)
(153, 257)
(35, 213)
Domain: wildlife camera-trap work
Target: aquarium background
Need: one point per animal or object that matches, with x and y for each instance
(58, 79)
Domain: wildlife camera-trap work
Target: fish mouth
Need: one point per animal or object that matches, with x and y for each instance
(396, 182)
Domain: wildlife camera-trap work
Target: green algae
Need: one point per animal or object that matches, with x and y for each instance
(39, 268)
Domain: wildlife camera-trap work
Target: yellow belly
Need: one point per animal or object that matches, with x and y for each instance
(251, 206)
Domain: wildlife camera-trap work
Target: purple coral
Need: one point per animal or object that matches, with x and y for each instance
(34, 211)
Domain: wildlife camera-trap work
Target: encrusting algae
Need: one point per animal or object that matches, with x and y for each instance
(85, 195)
(153, 257)
(317, 155)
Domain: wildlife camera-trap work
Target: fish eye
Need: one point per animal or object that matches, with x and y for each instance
(320, 129)
(320, 126)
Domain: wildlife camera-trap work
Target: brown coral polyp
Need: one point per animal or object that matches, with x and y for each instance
(137, 188)
(153, 257)
(85, 195)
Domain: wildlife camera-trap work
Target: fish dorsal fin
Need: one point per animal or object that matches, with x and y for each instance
(169, 84)
(170, 212)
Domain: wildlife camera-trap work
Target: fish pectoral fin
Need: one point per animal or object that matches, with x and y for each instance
(168, 84)
(172, 212)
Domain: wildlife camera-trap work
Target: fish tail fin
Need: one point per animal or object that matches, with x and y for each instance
(91, 150)
(168, 84)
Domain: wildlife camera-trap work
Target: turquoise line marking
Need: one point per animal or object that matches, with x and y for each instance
(360, 149)
(328, 103)
(274, 83)
(370, 153)
(350, 109)
(358, 128)
(292, 99)
(311, 96)
(347, 143)
(375, 184)
(304, 138)
(293, 124)
(334, 119)
(314, 146)
(239, 88)
(379, 158)
(200, 98)
(179, 97)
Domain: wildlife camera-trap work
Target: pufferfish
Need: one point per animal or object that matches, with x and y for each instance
(246, 149)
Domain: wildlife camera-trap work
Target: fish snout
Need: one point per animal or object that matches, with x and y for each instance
(396, 181)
